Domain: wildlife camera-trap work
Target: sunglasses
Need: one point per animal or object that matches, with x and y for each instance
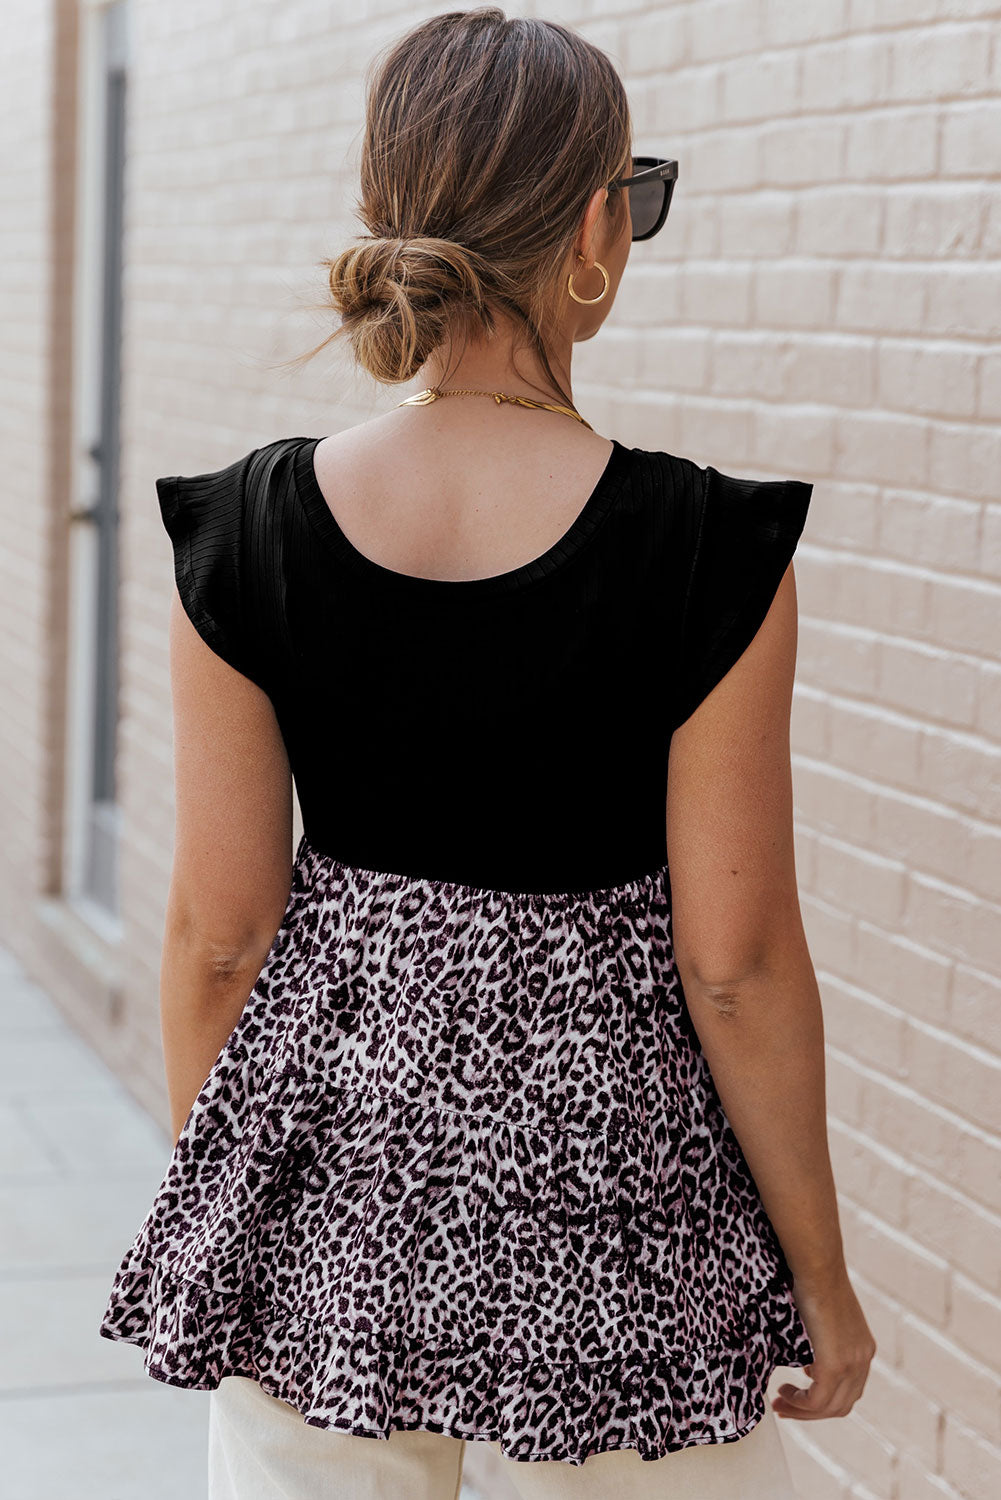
(650, 191)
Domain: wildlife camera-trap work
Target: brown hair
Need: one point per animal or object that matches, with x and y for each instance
(484, 139)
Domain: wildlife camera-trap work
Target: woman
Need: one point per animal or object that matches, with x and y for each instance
(499, 1104)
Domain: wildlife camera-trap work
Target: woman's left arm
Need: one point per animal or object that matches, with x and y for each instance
(232, 868)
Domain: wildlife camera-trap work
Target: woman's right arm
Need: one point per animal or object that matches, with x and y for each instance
(750, 986)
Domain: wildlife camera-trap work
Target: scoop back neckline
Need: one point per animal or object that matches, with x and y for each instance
(594, 509)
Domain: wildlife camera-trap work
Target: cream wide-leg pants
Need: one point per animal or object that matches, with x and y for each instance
(261, 1449)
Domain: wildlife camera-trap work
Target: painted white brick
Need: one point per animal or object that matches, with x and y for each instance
(849, 73)
(936, 221)
(842, 221)
(851, 1015)
(758, 224)
(975, 1319)
(793, 441)
(916, 1481)
(964, 300)
(964, 615)
(923, 680)
(832, 803)
(842, 658)
(969, 139)
(786, 22)
(871, 15)
(842, 868)
(940, 62)
(883, 446)
(711, 433)
(936, 530)
(793, 294)
(918, 376)
(792, 156)
(989, 704)
(975, 1008)
(687, 100)
(865, 1171)
(759, 87)
(867, 733)
(717, 294)
(891, 145)
(963, 1077)
(989, 400)
(833, 370)
(675, 359)
(747, 364)
(934, 1364)
(902, 1414)
(858, 1447)
(724, 160)
(971, 1460)
(726, 28)
(879, 298)
(657, 42)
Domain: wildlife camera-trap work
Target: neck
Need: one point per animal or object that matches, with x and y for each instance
(501, 363)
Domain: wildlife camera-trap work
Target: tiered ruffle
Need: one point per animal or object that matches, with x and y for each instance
(461, 1167)
(357, 1382)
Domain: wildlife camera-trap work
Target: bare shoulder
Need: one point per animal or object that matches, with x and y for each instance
(355, 444)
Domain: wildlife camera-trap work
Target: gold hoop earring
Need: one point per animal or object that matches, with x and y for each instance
(587, 300)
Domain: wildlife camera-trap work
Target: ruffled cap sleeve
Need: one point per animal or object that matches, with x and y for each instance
(746, 536)
(204, 516)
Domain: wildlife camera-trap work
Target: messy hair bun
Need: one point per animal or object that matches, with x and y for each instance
(484, 140)
(399, 299)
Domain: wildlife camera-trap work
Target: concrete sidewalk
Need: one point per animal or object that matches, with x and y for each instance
(79, 1163)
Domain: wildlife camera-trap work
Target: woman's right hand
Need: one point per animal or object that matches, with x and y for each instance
(843, 1348)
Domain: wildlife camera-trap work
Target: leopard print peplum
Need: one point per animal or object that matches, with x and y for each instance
(461, 1166)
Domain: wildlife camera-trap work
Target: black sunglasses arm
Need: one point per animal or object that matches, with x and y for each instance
(663, 170)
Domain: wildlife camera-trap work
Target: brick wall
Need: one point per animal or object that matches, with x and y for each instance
(26, 258)
(825, 304)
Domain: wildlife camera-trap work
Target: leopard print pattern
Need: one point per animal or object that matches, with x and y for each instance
(461, 1166)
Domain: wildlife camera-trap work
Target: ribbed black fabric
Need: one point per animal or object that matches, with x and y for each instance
(746, 536)
(509, 732)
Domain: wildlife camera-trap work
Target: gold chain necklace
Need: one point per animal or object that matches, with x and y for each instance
(424, 398)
